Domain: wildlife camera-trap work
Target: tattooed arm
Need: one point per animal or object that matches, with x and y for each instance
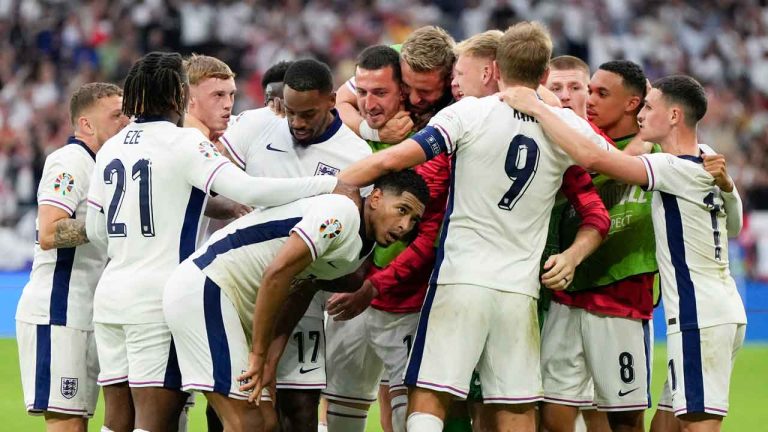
(57, 230)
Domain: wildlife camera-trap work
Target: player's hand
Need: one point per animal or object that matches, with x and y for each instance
(277, 106)
(715, 165)
(523, 99)
(252, 378)
(548, 97)
(350, 191)
(397, 128)
(238, 210)
(560, 269)
(345, 306)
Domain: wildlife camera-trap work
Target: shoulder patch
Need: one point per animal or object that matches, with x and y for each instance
(64, 183)
(331, 228)
(208, 150)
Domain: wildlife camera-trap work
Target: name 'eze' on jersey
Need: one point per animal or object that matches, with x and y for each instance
(689, 223)
(152, 225)
(262, 144)
(61, 285)
(506, 176)
(236, 256)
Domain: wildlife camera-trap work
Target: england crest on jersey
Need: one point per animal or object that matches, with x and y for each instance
(323, 169)
(68, 387)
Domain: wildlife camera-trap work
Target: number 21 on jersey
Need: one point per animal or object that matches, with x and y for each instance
(114, 173)
(520, 165)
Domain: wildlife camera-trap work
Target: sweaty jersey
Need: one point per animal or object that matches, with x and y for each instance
(261, 143)
(505, 178)
(150, 181)
(691, 244)
(61, 285)
(236, 256)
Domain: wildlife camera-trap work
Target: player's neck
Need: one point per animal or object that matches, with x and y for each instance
(190, 121)
(626, 126)
(681, 141)
(505, 85)
(89, 141)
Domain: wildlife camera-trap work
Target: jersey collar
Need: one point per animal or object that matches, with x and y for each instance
(697, 159)
(75, 141)
(151, 118)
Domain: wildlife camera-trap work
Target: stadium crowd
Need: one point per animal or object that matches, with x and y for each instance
(48, 48)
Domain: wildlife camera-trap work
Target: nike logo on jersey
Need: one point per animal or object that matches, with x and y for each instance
(330, 263)
(269, 147)
(303, 371)
(623, 393)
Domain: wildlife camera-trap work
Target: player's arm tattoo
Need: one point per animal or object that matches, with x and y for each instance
(69, 233)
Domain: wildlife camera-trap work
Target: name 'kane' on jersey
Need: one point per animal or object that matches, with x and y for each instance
(151, 181)
(505, 178)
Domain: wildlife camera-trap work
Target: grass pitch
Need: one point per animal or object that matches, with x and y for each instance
(748, 411)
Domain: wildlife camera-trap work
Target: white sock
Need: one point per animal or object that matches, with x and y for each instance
(399, 409)
(322, 427)
(106, 429)
(345, 419)
(183, 420)
(423, 422)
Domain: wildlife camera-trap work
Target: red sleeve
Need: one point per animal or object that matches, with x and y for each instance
(421, 252)
(581, 193)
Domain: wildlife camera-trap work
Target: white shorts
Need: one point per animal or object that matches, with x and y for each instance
(361, 349)
(467, 327)
(699, 365)
(579, 348)
(210, 340)
(302, 365)
(59, 367)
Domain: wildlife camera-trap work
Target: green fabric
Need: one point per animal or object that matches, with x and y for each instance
(630, 248)
(475, 390)
(458, 424)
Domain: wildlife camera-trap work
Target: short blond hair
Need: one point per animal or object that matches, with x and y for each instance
(482, 45)
(202, 67)
(567, 62)
(429, 48)
(524, 52)
(87, 95)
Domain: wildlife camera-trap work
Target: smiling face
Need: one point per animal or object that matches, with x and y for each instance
(655, 118)
(308, 112)
(378, 95)
(424, 89)
(471, 74)
(393, 215)
(570, 86)
(211, 101)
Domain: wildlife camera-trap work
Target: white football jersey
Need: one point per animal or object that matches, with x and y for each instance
(236, 256)
(505, 178)
(691, 244)
(151, 181)
(61, 285)
(261, 143)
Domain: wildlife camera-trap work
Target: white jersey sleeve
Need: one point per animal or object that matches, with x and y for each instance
(326, 228)
(64, 183)
(671, 174)
(200, 159)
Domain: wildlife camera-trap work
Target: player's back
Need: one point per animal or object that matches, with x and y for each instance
(154, 195)
(689, 222)
(506, 176)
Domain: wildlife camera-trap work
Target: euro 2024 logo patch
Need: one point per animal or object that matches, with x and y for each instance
(331, 228)
(64, 183)
(208, 150)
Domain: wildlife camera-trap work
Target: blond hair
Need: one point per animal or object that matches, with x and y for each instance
(87, 95)
(202, 67)
(429, 48)
(524, 51)
(482, 45)
(566, 62)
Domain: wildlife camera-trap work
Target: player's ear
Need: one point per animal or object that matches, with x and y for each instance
(85, 126)
(633, 103)
(374, 199)
(675, 116)
(332, 100)
(496, 70)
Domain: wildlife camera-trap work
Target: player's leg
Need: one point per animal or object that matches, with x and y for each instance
(297, 410)
(119, 412)
(596, 421)
(700, 388)
(664, 419)
(154, 377)
(237, 415)
(268, 413)
(565, 378)
(510, 365)
(619, 357)
(214, 424)
(322, 415)
(354, 372)
(385, 406)
(452, 316)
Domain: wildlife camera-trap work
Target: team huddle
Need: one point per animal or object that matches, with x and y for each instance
(473, 234)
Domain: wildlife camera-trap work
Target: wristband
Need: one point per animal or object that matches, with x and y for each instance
(367, 132)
